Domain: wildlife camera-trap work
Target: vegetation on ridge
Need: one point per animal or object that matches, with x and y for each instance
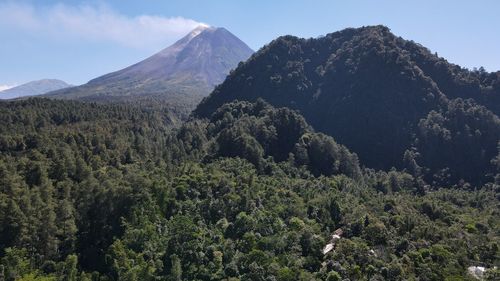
(382, 97)
(115, 192)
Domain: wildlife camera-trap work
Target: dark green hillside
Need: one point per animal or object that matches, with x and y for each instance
(458, 143)
(370, 90)
(121, 192)
(257, 131)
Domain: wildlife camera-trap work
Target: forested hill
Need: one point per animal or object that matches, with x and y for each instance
(390, 100)
(122, 192)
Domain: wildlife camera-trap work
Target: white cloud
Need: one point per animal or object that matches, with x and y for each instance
(6, 87)
(94, 22)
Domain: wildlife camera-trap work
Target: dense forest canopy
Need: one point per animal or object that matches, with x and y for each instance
(124, 192)
(354, 156)
(381, 96)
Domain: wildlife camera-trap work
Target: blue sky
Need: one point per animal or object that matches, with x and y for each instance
(79, 40)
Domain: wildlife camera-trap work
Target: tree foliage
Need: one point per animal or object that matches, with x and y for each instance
(377, 93)
(118, 192)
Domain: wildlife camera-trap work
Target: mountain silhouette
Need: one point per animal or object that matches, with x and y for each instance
(187, 70)
(376, 93)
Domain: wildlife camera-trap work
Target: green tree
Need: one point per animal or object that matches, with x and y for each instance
(176, 268)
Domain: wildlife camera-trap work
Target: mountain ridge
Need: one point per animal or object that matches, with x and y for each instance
(191, 67)
(369, 89)
(33, 88)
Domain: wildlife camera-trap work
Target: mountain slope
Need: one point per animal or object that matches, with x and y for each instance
(34, 88)
(188, 69)
(114, 192)
(366, 87)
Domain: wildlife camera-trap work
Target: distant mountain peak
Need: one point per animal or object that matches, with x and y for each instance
(191, 67)
(201, 28)
(34, 88)
(195, 32)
